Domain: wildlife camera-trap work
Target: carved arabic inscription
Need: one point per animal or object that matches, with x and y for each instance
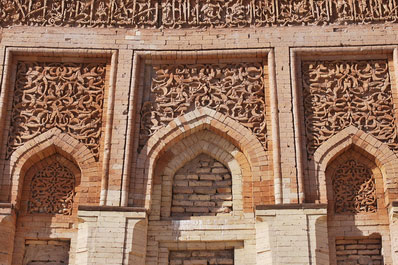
(52, 190)
(354, 188)
(67, 96)
(235, 90)
(338, 94)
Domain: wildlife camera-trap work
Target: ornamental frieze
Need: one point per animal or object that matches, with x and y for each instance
(194, 13)
(67, 96)
(338, 94)
(235, 90)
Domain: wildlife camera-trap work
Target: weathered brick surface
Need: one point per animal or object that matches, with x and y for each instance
(202, 187)
(365, 250)
(198, 257)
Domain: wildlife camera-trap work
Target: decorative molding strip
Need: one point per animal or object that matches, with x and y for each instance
(194, 13)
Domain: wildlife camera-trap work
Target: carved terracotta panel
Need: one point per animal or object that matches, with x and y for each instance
(67, 96)
(235, 90)
(354, 188)
(52, 190)
(338, 94)
(194, 13)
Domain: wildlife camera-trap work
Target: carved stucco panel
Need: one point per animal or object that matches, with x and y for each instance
(67, 96)
(52, 190)
(338, 94)
(194, 13)
(354, 188)
(235, 90)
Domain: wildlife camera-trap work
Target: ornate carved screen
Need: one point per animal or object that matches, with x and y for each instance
(354, 188)
(338, 94)
(68, 96)
(52, 190)
(236, 90)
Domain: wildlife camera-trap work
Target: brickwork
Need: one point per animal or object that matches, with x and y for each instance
(46, 252)
(365, 250)
(223, 257)
(202, 187)
(281, 93)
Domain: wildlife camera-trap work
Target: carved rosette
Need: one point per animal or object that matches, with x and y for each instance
(354, 188)
(52, 190)
(67, 96)
(338, 94)
(194, 13)
(235, 90)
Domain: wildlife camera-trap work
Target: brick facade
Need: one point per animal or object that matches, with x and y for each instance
(185, 132)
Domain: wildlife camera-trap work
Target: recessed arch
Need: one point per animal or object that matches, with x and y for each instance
(202, 142)
(200, 119)
(47, 144)
(364, 143)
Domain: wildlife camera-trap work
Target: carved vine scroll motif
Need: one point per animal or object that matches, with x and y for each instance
(338, 94)
(194, 13)
(67, 96)
(235, 90)
(354, 188)
(52, 190)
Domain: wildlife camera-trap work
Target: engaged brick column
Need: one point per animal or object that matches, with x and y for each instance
(111, 235)
(7, 232)
(297, 234)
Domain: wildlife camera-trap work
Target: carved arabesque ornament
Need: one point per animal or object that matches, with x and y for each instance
(68, 96)
(338, 94)
(235, 90)
(52, 190)
(354, 188)
(194, 13)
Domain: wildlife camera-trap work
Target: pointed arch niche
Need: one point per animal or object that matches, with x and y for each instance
(357, 213)
(49, 181)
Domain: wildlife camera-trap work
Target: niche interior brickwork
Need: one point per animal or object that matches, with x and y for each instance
(205, 257)
(202, 187)
(359, 250)
(46, 252)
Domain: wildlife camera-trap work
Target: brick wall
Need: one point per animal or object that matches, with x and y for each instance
(202, 187)
(361, 250)
(198, 257)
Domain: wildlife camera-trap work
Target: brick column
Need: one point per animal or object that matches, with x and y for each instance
(7, 232)
(292, 234)
(111, 235)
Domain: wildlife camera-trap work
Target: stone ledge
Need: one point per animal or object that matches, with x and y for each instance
(292, 206)
(110, 208)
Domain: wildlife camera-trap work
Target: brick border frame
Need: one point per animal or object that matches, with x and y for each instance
(296, 57)
(138, 164)
(111, 57)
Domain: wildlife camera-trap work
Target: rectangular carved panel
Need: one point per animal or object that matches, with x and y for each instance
(236, 90)
(68, 96)
(338, 94)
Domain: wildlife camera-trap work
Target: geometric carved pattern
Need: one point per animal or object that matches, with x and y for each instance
(68, 96)
(52, 190)
(194, 13)
(338, 94)
(235, 90)
(354, 188)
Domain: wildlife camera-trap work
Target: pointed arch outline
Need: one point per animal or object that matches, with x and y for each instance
(365, 143)
(185, 125)
(202, 142)
(45, 145)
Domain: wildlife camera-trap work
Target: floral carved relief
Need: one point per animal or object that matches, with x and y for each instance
(235, 90)
(338, 94)
(52, 190)
(194, 13)
(354, 188)
(67, 96)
